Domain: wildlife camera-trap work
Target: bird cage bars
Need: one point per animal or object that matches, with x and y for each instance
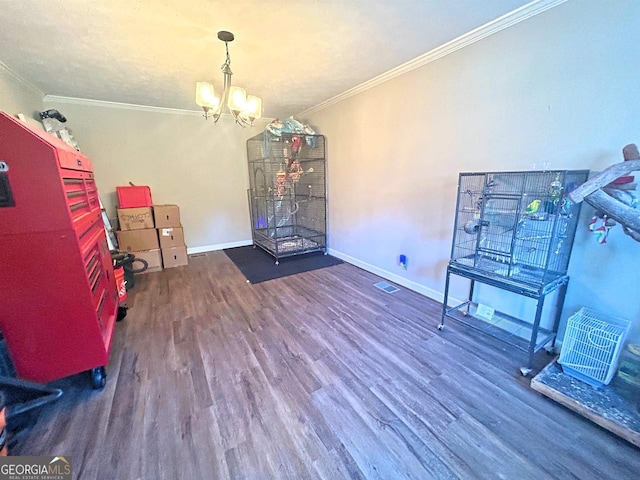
(516, 225)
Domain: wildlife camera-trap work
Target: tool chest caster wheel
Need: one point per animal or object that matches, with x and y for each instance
(122, 312)
(98, 377)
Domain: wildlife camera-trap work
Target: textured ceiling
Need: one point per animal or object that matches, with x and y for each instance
(294, 54)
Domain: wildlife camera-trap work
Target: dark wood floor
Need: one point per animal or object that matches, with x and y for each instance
(318, 375)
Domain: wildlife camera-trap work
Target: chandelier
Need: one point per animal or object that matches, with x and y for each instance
(245, 109)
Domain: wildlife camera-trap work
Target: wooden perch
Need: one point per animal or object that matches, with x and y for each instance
(603, 179)
(604, 197)
(628, 217)
(632, 234)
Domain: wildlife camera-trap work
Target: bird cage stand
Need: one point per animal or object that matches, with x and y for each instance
(538, 337)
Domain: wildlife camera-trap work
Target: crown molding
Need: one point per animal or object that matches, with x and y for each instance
(21, 80)
(128, 106)
(501, 23)
(118, 105)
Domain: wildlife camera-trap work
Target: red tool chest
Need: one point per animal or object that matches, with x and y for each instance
(58, 297)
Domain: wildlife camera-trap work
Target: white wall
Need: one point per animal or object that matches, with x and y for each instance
(17, 97)
(186, 160)
(561, 87)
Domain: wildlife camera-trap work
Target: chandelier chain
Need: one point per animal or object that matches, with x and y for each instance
(227, 62)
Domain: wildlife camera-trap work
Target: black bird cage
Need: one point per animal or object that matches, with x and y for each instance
(516, 225)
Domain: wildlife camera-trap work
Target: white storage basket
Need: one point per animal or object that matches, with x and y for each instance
(591, 346)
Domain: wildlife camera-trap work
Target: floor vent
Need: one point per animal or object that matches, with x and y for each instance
(195, 255)
(387, 287)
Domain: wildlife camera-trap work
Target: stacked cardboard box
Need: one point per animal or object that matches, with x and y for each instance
(137, 235)
(167, 222)
(152, 233)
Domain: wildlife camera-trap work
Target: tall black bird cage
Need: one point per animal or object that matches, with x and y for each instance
(514, 231)
(287, 194)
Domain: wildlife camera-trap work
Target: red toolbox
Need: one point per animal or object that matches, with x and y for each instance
(134, 196)
(59, 302)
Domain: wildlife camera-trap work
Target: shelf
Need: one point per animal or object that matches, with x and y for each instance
(299, 197)
(528, 281)
(505, 328)
(283, 158)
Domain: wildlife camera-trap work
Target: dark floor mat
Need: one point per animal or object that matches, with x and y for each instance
(258, 266)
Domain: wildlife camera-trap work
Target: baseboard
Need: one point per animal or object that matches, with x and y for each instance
(392, 277)
(219, 246)
(411, 285)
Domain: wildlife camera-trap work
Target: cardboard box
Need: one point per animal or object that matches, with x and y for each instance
(135, 218)
(174, 257)
(167, 216)
(153, 259)
(137, 240)
(171, 237)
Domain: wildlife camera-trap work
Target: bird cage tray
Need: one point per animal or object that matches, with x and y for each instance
(521, 279)
(504, 327)
(294, 244)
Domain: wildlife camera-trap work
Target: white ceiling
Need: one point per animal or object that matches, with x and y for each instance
(294, 54)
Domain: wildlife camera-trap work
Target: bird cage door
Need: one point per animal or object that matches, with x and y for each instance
(496, 236)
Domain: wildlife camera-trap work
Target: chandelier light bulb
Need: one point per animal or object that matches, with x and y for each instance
(254, 107)
(237, 99)
(205, 95)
